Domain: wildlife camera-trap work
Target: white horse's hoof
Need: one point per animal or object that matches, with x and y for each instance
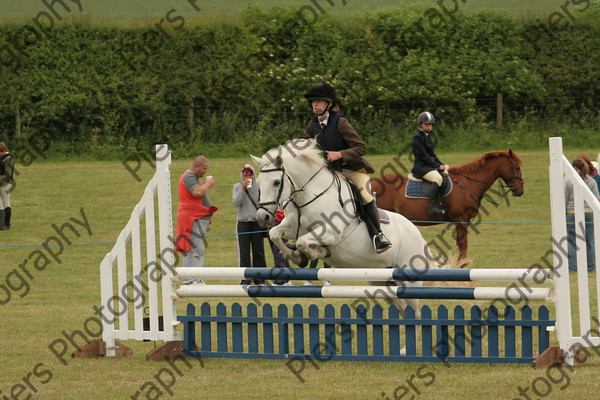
(299, 259)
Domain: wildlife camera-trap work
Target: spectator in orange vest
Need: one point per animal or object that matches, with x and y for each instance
(194, 215)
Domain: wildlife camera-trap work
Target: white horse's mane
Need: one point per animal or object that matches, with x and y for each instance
(297, 151)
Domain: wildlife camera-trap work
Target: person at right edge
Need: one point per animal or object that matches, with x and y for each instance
(7, 182)
(345, 151)
(427, 165)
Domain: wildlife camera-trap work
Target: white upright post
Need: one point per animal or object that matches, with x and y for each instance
(167, 255)
(564, 329)
(130, 272)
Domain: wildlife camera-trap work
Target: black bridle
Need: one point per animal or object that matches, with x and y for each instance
(511, 183)
(511, 186)
(290, 199)
(262, 204)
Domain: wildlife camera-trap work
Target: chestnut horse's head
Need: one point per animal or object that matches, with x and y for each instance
(511, 174)
(488, 167)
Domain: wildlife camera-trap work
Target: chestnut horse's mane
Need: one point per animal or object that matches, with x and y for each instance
(479, 163)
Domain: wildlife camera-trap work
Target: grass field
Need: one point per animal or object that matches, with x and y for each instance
(143, 11)
(62, 291)
(57, 293)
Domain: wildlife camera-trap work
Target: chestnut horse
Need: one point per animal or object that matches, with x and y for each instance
(470, 181)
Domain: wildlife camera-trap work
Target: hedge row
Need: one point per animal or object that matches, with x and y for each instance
(79, 84)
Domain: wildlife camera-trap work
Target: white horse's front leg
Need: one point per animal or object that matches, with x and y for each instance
(314, 245)
(286, 230)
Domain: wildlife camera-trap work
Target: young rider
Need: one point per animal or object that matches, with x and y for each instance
(345, 151)
(427, 164)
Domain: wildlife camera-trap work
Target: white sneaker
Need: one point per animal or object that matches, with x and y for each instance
(198, 282)
(326, 283)
(307, 283)
(289, 283)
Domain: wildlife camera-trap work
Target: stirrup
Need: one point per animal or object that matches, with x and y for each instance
(383, 244)
(435, 210)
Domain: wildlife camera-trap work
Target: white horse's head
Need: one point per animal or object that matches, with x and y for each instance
(278, 168)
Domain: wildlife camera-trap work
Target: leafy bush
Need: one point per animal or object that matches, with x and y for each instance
(105, 90)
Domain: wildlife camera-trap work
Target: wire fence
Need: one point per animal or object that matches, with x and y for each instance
(266, 230)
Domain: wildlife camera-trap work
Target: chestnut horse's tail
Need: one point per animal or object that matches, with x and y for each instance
(455, 263)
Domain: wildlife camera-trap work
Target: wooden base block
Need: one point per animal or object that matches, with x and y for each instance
(579, 359)
(167, 351)
(554, 356)
(97, 348)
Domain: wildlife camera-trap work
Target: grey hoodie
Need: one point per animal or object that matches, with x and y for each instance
(246, 210)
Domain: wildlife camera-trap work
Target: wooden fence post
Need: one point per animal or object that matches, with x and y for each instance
(499, 111)
(190, 120)
(17, 120)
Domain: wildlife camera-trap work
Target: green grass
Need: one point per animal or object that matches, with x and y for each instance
(142, 11)
(62, 295)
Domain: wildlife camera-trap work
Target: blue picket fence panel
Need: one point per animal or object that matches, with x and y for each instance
(366, 335)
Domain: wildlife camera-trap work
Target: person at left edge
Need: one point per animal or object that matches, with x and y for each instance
(7, 183)
(194, 215)
(345, 150)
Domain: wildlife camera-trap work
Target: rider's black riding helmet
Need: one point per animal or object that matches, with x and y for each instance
(322, 91)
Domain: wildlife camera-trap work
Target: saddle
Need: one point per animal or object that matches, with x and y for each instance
(384, 217)
(419, 189)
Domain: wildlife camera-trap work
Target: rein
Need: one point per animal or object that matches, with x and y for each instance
(469, 177)
(298, 207)
(502, 187)
(511, 183)
(294, 191)
(291, 200)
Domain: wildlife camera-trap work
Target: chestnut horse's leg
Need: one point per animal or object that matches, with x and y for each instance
(461, 240)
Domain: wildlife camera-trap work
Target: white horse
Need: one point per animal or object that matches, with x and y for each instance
(320, 215)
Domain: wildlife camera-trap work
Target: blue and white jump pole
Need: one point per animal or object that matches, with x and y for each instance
(537, 275)
(393, 290)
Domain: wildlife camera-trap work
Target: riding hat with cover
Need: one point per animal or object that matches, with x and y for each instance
(425, 118)
(321, 91)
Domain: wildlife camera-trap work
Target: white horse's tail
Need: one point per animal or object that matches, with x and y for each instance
(455, 263)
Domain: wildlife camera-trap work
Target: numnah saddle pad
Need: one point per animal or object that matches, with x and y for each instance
(414, 189)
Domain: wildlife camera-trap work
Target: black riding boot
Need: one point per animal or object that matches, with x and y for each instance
(380, 242)
(433, 209)
(8, 213)
(2, 219)
(443, 204)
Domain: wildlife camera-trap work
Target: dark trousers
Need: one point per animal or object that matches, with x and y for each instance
(589, 242)
(250, 243)
(314, 263)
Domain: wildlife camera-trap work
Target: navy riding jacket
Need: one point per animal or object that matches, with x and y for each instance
(424, 152)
